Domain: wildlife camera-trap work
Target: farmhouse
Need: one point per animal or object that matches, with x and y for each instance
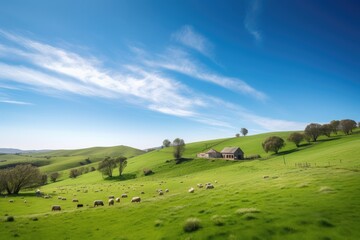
(212, 153)
(227, 153)
(232, 153)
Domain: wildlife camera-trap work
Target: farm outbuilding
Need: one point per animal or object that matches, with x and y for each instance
(232, 153)
(210, 154)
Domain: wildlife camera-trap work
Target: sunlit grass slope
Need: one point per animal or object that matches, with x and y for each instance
(311, 192)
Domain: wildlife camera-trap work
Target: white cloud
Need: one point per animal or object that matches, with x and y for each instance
(179, 61)
(190, 38)
(251, 17)
(15, 102)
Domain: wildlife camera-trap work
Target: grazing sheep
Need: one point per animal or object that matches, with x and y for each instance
(161, 193)
(60, 198)
(111, 197)
(266, 177)
(111, 202)
(117, 199)
(191, 190)
(200, 185)
(11, 200)
(124, 195)
(166, 190)
(98, 203)
(64, 198)
(80, 205)
(136, 199)
(75, 200)
(56, 208)
(46, 196)
(209, 186)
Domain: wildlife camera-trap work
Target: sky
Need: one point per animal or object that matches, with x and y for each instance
(76, 74)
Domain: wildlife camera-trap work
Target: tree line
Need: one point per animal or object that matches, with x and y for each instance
(311, 133)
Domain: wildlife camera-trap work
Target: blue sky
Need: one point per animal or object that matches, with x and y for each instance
(78, 74)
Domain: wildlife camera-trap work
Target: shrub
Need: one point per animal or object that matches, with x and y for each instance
(9, 219)
(252, 157)
(192, 224)
(148, 172)
(218, 220)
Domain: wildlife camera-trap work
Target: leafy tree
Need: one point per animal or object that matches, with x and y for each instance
(313, 130)
(296, 138)
(107, 166)
(74, 173)
(273, 144)
(21, 176)
(44, 179)
(326, 129)
(335, 124)
(54, 176)
(166, 143)
(244, 131)
(237, 135)
(347, 125)
(122, 164)
(179, 148)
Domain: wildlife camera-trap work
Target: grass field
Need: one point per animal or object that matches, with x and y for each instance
(310, 192)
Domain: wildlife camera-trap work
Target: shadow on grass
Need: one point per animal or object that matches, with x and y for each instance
(123, 177)
(182, 160)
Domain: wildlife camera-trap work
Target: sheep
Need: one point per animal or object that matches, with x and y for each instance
(46, 196)
(80, 205)
(111, 197)
(161, 193)
(111, 202)
(64, 198)
(191, 190)
(124, 195)
(117, 199)
(199, 185)
(98, 203)
(60, 197)
(75, 200)
(136, 199)
(56, 208)
(11, 200)
(209, 186)
(166, 190)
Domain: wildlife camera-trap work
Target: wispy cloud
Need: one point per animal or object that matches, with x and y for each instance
(15, 102)
(251, 18)
(37, 66)
(179, 61)
(190, 38)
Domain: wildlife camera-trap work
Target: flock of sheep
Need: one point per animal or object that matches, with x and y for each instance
(112, 199)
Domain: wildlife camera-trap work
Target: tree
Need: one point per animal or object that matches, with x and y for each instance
(179, 148)
(166, 143)
(326, 129)
(296, 138)
(313, 130)
(122, 164)
(244, 131)
(54, 176)
(74, 173)
(335, 126)
(21, 176)
(107, 166)
(237, 135)
(44, 179)
(347, 125)
(273, 144)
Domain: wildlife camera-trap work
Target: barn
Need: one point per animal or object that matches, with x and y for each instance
(212, 153)
(232, 153)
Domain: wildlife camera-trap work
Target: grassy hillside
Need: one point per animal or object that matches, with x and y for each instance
(311, 192)
(60, 160)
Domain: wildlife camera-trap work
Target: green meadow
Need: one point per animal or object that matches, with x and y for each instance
(310, 192)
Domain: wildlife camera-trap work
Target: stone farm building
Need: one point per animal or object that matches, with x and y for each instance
(227, 153)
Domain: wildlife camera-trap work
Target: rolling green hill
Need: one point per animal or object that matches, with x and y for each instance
(310, 192)
(60, 160)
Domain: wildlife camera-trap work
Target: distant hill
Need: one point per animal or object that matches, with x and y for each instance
(15, 151)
